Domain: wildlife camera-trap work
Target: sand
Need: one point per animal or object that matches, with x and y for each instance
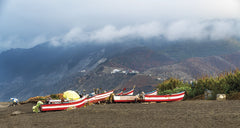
(4, 104)
(174, 114)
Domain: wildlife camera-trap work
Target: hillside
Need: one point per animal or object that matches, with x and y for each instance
(188, 49)
(139, 58)
(193, 68)
(47, 69)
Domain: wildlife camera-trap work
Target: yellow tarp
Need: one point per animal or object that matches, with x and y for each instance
(71, 95)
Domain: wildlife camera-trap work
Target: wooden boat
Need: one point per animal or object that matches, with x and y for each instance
(62, 106)
(129, 93)
(152, 93)
(125, 99)
(164, 98)
(125, 93)
(120, 93)
(99, 97)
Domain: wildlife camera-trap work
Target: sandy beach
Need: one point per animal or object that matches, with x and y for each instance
(3, 105)
(174, 114)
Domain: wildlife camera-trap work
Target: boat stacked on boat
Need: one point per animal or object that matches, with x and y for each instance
(125, 97)
(54, 105)
(99, 97)
(64, 105)
(148, 97)
(129, 93)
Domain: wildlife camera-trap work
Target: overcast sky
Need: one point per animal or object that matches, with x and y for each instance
(26, 23)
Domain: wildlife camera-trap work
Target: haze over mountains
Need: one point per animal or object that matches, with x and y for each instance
(46, 69)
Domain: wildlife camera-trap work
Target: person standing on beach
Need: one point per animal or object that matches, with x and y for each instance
(14, 101)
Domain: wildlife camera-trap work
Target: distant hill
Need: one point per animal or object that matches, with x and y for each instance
(140, 58)
(47, 69)
(188, 49)
(193, 68)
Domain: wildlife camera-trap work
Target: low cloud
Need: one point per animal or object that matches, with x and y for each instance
(178, 30)
(111, 33)
(18, 42)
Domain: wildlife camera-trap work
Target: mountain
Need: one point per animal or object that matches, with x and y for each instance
(140, 58)
(197, 67)
(47, 69)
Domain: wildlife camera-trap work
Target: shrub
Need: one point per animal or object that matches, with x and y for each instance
(173, 86)
(54, 96)
(226, 83)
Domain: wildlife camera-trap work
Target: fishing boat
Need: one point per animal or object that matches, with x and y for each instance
(119, 94)
(125, 93)
(126, 97)
(129, 93)
(99, 97)
(64, 105)
(164, 98)
(152, 93)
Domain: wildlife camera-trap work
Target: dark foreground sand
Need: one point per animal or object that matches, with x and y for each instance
(189, 114)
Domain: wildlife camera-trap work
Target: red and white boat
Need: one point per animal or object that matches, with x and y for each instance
(99, 97)
(120, 93)
(152, 93)
(164, 98)
(126, 97)
(62, 106)
(129, 93)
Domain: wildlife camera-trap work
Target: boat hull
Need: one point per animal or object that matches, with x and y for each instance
(99, 97)
(152, 93)
(54, 107)
(163, 98)
(124, 99)
(129, 93)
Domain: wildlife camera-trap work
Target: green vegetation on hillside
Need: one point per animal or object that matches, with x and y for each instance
(227, 83)
(173, 86)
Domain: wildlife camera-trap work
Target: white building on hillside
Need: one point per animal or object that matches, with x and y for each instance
(115, 71)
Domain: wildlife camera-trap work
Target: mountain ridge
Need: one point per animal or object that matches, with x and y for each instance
(46, 69)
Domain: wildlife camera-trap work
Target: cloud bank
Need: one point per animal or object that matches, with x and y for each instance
(178, 30)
